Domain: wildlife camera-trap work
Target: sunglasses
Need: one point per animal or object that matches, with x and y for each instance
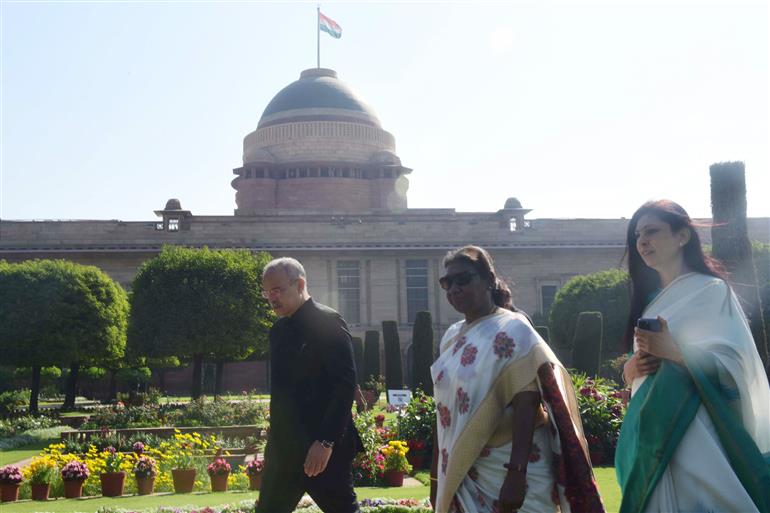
(460, 279)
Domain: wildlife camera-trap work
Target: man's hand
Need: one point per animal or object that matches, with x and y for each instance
(317, 458)
(513, 491)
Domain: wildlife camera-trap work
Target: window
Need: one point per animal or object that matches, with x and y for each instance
(173, 225)
(547, 295)
(159, 226)
(349, 289)
(416, 288)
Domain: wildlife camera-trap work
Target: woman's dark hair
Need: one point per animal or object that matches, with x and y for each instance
(483, 264)
(645, 280)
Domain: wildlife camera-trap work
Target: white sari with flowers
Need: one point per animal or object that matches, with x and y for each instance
(481, 367)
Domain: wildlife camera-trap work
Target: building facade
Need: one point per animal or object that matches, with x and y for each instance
(321, 182)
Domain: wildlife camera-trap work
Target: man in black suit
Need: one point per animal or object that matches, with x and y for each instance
(312, 438)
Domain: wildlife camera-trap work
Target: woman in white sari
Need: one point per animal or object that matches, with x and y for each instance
(509, 435)
(697, 430)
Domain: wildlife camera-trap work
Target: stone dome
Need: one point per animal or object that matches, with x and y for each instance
(512, 203)
(318, 95)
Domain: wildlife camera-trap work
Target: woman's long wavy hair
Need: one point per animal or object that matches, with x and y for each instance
(483, 264)
(645, 280)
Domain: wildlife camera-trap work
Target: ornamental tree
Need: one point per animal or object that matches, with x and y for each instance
(55, 312)
(200, 303)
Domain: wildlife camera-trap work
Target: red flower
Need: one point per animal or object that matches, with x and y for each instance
(503, 345)
(460, 343)
(444, 416)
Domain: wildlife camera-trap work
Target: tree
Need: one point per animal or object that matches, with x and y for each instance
(371, 355)
(605, 292)
(587, 346)
(731, 245)
(358, 357)
(200, 303)
(394, 374)
(422, 353)
(55, 312)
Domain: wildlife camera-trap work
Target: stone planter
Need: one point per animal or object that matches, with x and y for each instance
(184, 479)
(112, 483)
(394, 478)
(73, 489)
(219, 482)
(255, 481)
(145, 485)
(9, 492)
(40, 492)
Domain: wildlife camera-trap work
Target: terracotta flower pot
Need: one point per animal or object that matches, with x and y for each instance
(255, 481)
(219, 482)
(73, 489)
(394, 478)
(184, 479)
(40, 492)
(145, 485)
(9, 492)
(113, 483)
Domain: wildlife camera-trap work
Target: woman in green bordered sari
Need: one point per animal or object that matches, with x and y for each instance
(696, 435)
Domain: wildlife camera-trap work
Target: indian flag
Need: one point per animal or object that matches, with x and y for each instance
(329, 26)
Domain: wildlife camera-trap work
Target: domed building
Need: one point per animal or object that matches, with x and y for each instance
(319, 146)
(321, 181)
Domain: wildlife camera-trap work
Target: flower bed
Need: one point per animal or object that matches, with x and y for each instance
(601, 410)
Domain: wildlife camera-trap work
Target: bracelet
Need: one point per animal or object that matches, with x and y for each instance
(434, 479)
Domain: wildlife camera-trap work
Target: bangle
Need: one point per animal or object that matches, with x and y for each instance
(434, 479)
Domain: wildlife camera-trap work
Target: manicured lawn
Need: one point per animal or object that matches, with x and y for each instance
(197, 499)
(23, 452)
(604, 475)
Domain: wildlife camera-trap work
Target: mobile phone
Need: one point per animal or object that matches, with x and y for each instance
(649, 324)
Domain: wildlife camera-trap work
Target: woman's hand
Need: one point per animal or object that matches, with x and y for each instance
(658, 343)
(640, 364)
(513, 491)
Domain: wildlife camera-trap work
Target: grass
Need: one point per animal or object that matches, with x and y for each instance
(605, 477)
(90, 505)
(33, 442)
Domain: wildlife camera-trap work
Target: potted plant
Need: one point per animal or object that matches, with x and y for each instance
(396, 464)
(40, 473)
(113, 477)
(74, 474)
(219, 471)
(145, 470)
(416, 454)
(10, 481)
(254, 471)
(370, 391)
(379, 420)
(185, 449)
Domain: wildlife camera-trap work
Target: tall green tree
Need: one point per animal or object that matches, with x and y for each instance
(200, 304)
(731, 244)
(605, 292)
(422, 353)
(394, 372)
(55, 312)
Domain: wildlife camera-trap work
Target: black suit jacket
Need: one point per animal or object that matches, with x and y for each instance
(313, 378)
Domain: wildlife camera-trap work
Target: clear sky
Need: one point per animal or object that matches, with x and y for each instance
(579, 109)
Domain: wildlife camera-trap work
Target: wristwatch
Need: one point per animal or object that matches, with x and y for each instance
(326, 444)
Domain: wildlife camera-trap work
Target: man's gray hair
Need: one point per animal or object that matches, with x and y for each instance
(290, 266)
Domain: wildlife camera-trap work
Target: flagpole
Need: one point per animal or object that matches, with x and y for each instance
(318, 35)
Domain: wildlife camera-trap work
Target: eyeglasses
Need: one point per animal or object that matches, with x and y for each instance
(460, 279)
(276, 291)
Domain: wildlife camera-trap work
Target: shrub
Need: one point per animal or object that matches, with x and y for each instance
(17, 426)
(11, 474)
(145, 467)
(416, 420)
(218, 467)
(394, 374)
(41, 470)
(371, 354)
(12, 400)
(395, 456)
(587, 345)
(601, 410)
(368, 465)
(255, 466)
(605, 292)
(358, 356)
(422, 352)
